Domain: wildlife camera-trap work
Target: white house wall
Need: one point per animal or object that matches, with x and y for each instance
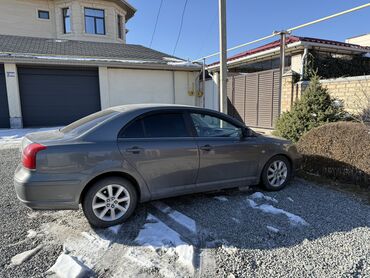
(130, 86)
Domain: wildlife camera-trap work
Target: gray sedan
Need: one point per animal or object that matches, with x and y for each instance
(113, 159)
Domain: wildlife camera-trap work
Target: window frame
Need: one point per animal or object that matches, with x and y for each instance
(95, 21)
(39, 12)
(120, 26)
(185, 117)
(64, 16)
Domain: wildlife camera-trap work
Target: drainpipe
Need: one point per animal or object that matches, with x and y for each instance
(204, 81)
(303, 62)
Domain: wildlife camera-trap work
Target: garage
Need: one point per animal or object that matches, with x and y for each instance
(53, 96)
(4, 109)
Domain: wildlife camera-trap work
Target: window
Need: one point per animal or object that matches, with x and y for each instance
(120, 26)
(44, 14)
(134, 130)
(211, 126)
(67, 20)
(157, 126)
(94, 21)
(88, 122)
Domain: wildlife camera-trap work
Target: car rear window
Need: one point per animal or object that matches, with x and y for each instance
(88, 122)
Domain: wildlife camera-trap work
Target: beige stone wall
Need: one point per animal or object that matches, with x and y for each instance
(353, 91)
(20, 17)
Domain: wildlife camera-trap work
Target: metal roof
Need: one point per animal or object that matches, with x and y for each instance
(296, 39)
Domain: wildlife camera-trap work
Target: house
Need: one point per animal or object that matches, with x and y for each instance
(253, 87)
(62, 60)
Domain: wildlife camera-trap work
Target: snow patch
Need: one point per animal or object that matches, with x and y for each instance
(272, 229)
(22, 257)
(31, 234)
(293, 219)
(260, 195)
(221, 198)
(176, 216)
(235, 220)
(290, 199)
(96, 240)
(115, 229)
(158, 236)
(69, 267)
(172, 59)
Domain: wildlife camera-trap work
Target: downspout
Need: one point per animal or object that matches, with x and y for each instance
(303, 62)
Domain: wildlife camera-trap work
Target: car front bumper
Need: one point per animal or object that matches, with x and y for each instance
(40, 192)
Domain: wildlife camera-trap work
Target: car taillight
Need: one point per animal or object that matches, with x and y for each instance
(29, 155)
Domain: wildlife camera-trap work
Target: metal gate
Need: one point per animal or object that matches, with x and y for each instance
(254, 98)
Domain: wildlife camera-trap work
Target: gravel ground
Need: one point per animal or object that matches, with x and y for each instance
(239, 234)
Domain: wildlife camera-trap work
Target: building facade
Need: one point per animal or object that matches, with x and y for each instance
(62, 60)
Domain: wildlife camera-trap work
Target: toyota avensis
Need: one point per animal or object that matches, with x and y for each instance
(113, 159)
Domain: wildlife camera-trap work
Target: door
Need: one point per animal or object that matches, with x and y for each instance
(162, 150)
(4, 109)
(225, 156)
(57, 96)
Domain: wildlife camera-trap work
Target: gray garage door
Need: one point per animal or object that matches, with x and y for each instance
(57, 96)
(4, 110)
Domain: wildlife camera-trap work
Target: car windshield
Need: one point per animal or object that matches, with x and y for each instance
(88, 122)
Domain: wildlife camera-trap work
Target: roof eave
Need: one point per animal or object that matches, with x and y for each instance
(96, 62)
(302, 44)
(130, 10)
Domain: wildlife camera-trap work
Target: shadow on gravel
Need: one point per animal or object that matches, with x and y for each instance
(227, 217)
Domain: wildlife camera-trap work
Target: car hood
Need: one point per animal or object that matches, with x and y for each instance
(274, 140)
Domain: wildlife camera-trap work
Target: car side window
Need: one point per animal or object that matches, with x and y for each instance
(165, 125)
(134, 130)
(157, 126)
(211, 126)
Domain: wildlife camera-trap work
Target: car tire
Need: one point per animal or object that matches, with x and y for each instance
(109, 201)
(277, 173)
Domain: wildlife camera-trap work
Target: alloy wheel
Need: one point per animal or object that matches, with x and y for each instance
(277, 173)
(111, 202)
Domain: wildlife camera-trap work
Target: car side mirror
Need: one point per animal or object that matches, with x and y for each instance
(246, 132)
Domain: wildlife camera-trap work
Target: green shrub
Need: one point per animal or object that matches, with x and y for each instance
(313, 109)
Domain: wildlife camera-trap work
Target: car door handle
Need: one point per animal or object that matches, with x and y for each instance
(206, 148)
(134, 150)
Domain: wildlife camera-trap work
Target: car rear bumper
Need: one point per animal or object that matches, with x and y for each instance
(39, 192)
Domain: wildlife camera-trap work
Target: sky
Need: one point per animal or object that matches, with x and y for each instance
(247, 20)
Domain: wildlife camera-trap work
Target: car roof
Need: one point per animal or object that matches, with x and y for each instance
(130, 107)
(148, 107)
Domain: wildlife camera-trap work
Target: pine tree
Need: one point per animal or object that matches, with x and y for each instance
(314, 109)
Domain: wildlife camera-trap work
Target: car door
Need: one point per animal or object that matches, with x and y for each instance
(225, 155)
(161, 147)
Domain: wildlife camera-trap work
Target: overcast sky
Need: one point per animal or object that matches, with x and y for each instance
(246, 20)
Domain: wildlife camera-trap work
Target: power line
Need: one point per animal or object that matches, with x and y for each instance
(291, 29)
(182, 21)
(156, 23)
(209, 32)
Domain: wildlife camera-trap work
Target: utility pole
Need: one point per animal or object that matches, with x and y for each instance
(282, 56)
(223, 57)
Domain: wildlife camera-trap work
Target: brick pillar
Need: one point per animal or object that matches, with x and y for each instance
(287, 91)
